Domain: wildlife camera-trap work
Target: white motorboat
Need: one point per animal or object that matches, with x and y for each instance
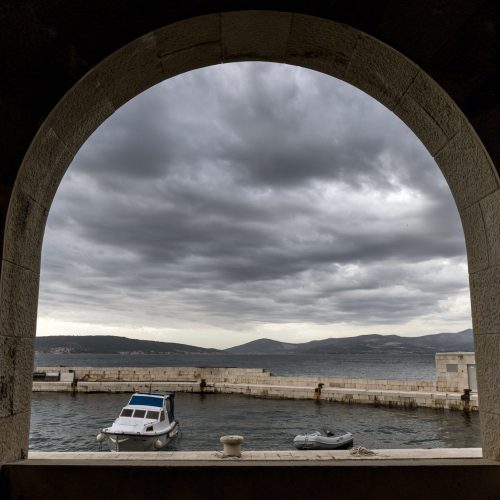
(147, 423)
(327, 441)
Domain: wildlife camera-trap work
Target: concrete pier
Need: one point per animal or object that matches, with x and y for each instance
(440, 394)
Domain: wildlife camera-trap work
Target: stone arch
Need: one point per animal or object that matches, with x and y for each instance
(312, 42)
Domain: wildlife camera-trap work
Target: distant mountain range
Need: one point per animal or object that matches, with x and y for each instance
(441, 342)
(390, 344)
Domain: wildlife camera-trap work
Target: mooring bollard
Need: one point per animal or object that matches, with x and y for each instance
(232, 445)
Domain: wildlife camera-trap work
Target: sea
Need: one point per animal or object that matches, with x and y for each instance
(65, 422)
(373, 365)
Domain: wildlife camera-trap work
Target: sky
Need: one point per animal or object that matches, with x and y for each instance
(253, 200)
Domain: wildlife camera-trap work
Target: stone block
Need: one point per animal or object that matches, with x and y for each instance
(43, 167)
(490, 207)
(421, 123)
(14, 436)
(80, 112)
(380, 71)
(23, 372)
(488, 371)
(25, 228)
(52, 387)
(321, 45)
(490, 434)
(190, 59)
(253, 35)
(467, 168)
(131, 70)
(8, 356)
(485, 300)
(18, 307)
(437, 104)
(183, 35)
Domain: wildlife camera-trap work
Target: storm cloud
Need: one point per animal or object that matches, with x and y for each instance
(250, 200)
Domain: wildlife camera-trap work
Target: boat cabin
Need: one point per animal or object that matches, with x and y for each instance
(157, 407)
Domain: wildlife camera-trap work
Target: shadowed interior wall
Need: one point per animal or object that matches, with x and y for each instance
(96, 71)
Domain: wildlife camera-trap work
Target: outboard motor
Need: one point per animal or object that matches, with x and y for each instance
(171, 407)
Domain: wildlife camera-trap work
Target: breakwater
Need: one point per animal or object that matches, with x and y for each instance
(259, 383)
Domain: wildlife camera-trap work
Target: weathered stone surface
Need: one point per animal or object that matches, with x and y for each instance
(282, 455)
(321, 45)
(186, 35)
(25, 226)
(80, 112)
(475, 238)
(14, 436)
(490, 207)
(421, 123)
(189, 45)
(16, 375)
(23, 372)
(490, 435)
(19, 301)
(488, 371)
(131, 70)
(187, 60)
(467, 169)
(380, 71)
(485, 300)
(437, 104)
(8, 354)
(44, 166)
(252, 35)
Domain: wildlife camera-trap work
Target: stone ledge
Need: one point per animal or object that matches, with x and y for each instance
(260, 455)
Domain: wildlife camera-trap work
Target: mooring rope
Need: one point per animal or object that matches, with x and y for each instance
(360, 451)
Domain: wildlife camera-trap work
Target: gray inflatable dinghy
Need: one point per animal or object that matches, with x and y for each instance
(327, 441)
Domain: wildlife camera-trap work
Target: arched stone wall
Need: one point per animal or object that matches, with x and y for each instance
(313, 42)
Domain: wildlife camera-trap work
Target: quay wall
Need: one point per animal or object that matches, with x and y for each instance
(256, 382)
(234, 376)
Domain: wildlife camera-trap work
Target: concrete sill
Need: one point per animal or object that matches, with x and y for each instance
(266, 455)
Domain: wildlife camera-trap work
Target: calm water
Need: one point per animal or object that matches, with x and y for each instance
(62, 422)
(336, 365)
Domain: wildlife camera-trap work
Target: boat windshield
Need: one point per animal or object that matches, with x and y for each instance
(129, 412)
(146, 401)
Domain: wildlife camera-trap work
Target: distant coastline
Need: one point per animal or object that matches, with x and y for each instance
(364, 344)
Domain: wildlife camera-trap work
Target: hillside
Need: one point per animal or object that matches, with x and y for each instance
(101, 344)
(107, 344)
(441, 342)
(264, 346)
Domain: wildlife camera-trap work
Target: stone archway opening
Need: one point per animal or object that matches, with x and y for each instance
(315, 43)
(121, 176)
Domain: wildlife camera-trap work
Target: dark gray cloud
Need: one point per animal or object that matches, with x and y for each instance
(253, 194)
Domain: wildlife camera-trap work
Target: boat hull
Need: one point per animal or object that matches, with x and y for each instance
(317, 441)
(141, 442)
